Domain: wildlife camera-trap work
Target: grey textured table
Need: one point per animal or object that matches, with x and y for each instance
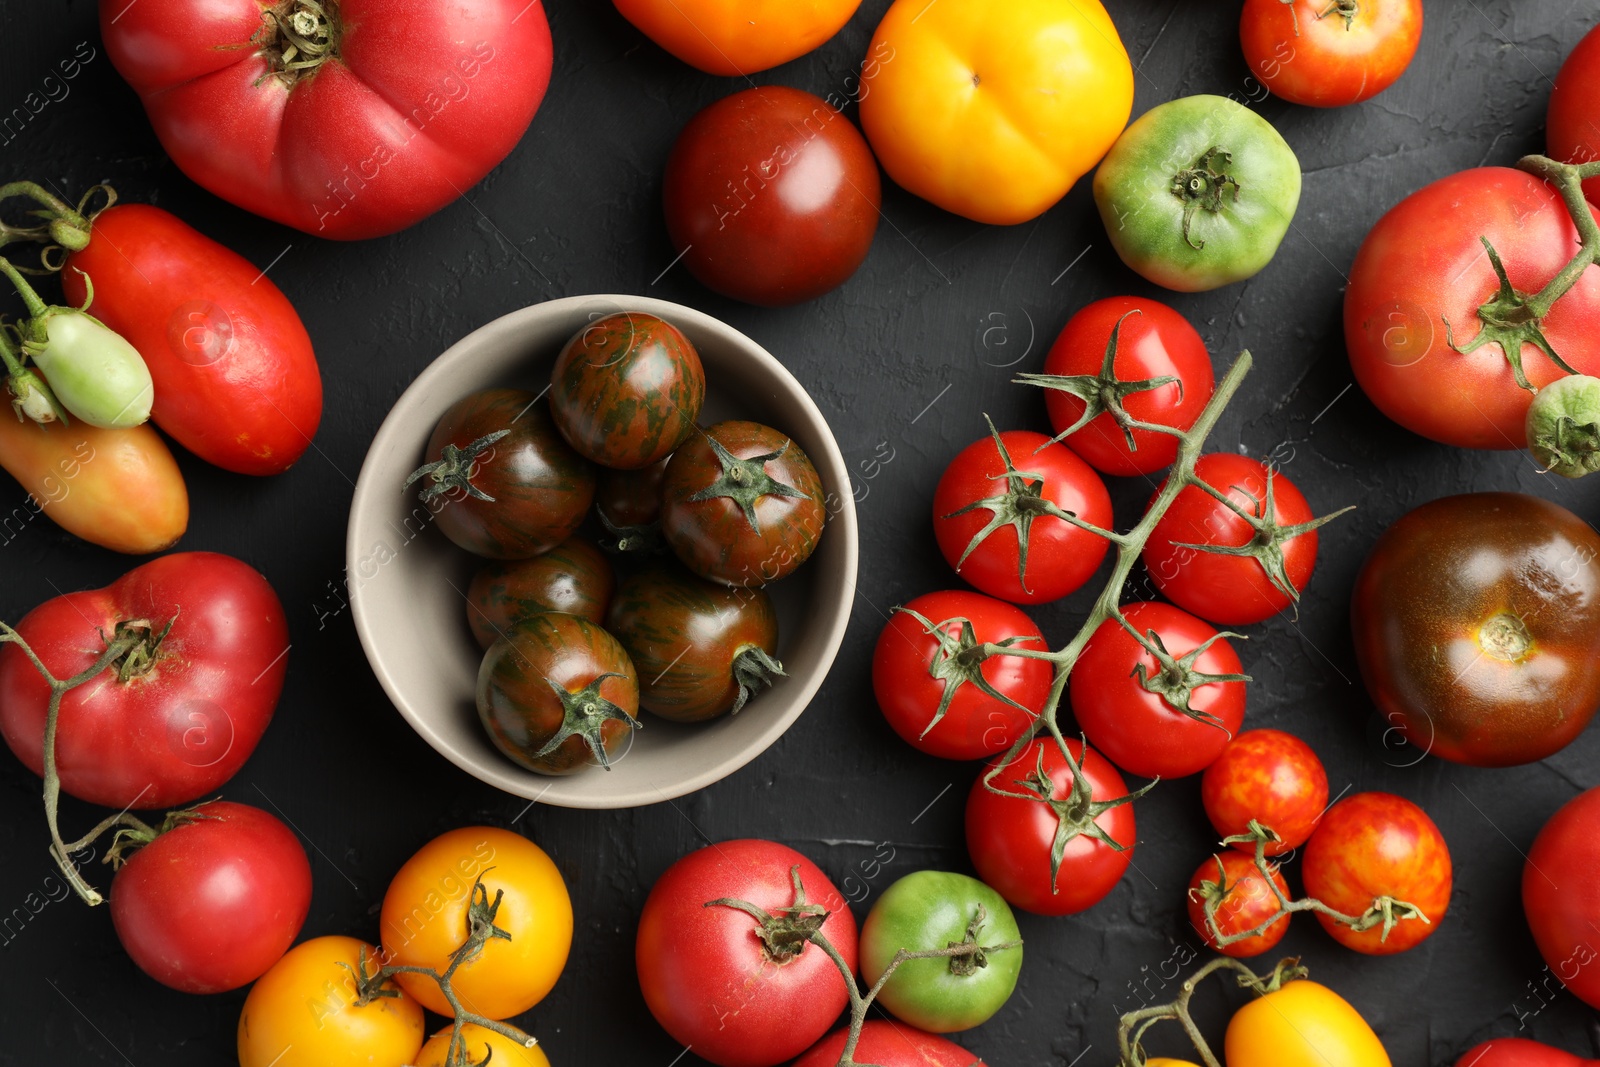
(909, 352)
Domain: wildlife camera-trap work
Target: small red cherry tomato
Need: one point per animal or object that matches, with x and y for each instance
(1244, 901)
(1271, 777)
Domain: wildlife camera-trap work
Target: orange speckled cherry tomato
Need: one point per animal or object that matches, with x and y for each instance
(1271, 777)
(1245, 903)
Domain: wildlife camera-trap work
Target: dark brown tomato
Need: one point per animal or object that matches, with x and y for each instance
(1477, 627)
(500, 478)
(701, 649)
(627, 390)
(742, 504)
(631, 498)
(558, 694)
(574, 577)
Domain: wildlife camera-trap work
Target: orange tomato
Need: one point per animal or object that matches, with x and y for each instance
(994, 110)
(1301, 1025)
(424, 920)
(116, 488)
(738, 36)
(1309, 52)
(480, 1043)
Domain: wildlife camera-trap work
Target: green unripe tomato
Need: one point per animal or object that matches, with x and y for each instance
(92, 370)
(1198, 193)
(932, 910)
(1564, 426)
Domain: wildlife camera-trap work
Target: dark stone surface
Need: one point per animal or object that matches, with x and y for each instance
(941, 311)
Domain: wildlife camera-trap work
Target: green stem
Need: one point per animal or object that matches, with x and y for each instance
(1132, 1027)
(36, 306)
(1568, 180)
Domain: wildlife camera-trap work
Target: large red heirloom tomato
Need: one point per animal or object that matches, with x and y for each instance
(342, 118)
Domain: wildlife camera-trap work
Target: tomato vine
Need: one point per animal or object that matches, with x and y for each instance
(1133, 1026)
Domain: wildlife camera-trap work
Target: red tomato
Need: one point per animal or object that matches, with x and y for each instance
(944, 705)
(401, 108)
(181, 712)
(1158, 718)
(1520, 1052)
(1572, 126)
(1010, 838)
(1244, 902)
(711, 982)
(888, 1043)
(1152, 342)
(236, 382)
(1423, 265)
(772, 196)
(1561, 894)
(1224, 588)
(1374, 845)
(1021, 480)
(210, 904)
(1329, 54)
(1271, 777)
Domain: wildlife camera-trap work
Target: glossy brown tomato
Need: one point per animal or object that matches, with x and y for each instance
(1271, 777)
(574, 577)
(627, 389)
(1477, 627)
(502, 481)
(1375, 847)
(1232, 887)
(742, 504)
(1324, 54)
(701, 648)
(630, 498)
(558, 694)
(772, 196)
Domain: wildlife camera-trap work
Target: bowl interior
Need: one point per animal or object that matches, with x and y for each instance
(407, 581)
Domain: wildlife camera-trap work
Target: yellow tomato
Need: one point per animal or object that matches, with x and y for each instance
(303, 1013)
(738, 36)
(1302, 1025)
(507, 1053)
(1160, 1062)
(424, 920)
(993, 110)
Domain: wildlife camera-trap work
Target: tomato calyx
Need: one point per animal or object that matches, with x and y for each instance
(584, 714)
(1563, 426)
(31, 397)
(1076, 813)
(958, 661)
(969, 955)
(1022, 502)
(1345, 9)
(452, 472)
(631, 540)
(1174, 680)
(1203, 186)
(135, 834)
(1269, 536)
(785, 933)
(754, 669)
(1104, 393)
(744, 481)
(296, 37)
(141, 642)
(1135, 1024)
(64, 226)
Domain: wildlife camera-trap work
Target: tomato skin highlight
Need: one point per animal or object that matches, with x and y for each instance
(184, 727)
(1248, 903)
(210, 905)
(1304, 1024)
(707, 978)
(1561, 893)
(119, 489)
(1269, 776)
(1377, 844)
(892, 1044)
(236, 381)
(574, 577)
(975, 725)
(1572, 125)
(1308, 55)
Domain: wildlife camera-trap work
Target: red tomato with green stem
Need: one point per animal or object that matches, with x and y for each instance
(1118, 361)
(1162, 696)
(1062, 837)
(1241, 561)
(236, 382)
(1329, 54)
(346, 120)
(723, 956)
(890, 1044)
(1375, 849)
(212, 898)
(1425, 296)
(1269, 777)
(1014, 531)
(1572, 125)
(1231, 887)
(937, 691)
(179, 713)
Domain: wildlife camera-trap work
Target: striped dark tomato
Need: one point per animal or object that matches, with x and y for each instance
(631, 498)
(701, 649)
(627, 390)
(558, 694)
(574, 577)
(512, 487)
(742, 504)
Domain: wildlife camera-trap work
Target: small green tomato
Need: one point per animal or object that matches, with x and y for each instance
(1564, 426)
(96, 374)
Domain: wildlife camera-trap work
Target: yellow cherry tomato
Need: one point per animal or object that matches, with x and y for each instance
(993, 110)
(1302, 1025)
(303, 1013)
(738, 36)
(507, 1053)
(424, 920)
